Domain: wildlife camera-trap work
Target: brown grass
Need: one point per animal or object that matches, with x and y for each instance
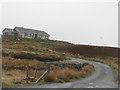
(26, 47)
(89, 51)
(66, 74)
(10, 77)
(51, 77)
(22, 64)
(15, 61)
(37, 56)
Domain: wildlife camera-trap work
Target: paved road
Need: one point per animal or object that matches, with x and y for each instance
(103, 77)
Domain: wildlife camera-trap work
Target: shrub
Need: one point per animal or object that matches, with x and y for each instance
(51, 77)
(67, 74)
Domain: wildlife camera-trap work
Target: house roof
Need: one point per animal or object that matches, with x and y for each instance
(7, 30)
(21, 29)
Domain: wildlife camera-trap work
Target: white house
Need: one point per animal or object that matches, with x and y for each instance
(25, 33)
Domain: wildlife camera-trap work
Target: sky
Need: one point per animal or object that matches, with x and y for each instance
(89, 23)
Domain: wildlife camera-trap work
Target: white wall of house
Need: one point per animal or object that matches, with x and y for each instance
(8, 33)
(33, 35)
(24, 34)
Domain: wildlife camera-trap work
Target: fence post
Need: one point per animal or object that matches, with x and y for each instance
(48, 70)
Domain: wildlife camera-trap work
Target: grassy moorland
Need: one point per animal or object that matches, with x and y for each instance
(25, 60)
(107, 55)
(18, 55)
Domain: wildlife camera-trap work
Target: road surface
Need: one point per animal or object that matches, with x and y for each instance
(103, 77)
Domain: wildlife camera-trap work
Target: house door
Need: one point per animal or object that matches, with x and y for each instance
(36, 35)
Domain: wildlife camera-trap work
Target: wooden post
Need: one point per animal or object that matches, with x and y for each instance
(42, 76)
(27, 76)
(35, 72)
(47, 71)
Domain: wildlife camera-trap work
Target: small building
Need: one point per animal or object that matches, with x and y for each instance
(25, 33)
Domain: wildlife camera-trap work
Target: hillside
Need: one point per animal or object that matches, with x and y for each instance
(60, 46)
(25, 60)
(89, 51)
(33, 55)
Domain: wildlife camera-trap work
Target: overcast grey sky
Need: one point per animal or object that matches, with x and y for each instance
(93, 23)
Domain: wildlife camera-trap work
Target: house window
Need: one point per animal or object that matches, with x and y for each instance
(6, 33)
(25, 34)
(30, 34)
(12, 33)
